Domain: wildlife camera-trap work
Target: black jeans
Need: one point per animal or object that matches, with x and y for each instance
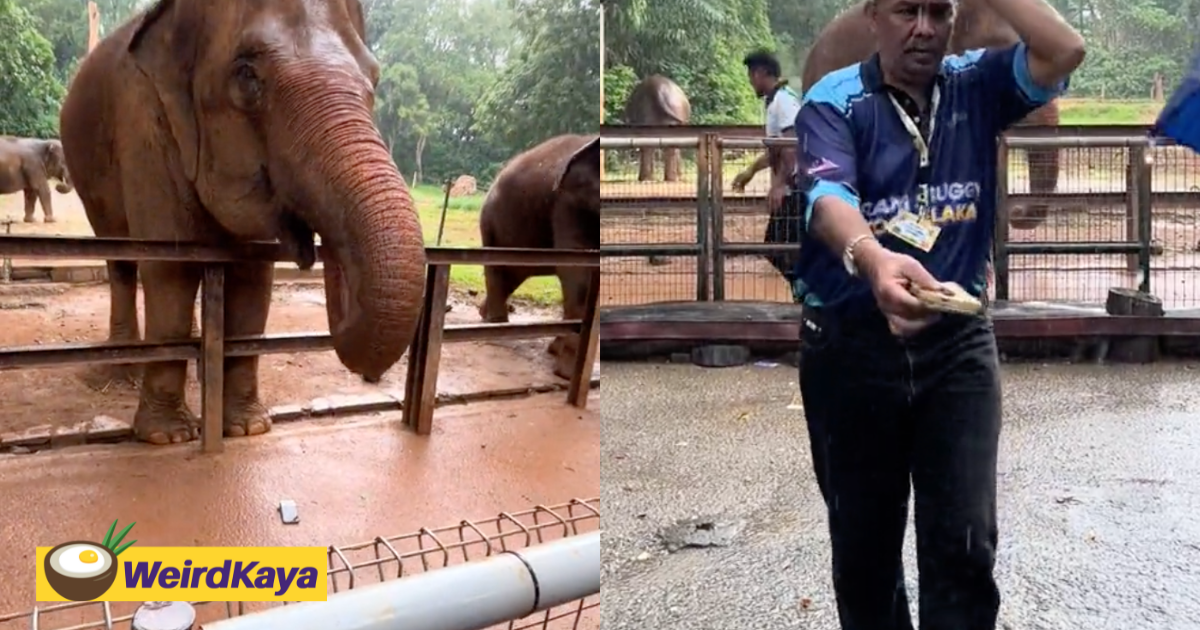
(881, 411)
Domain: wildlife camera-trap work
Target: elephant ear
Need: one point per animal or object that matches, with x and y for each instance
(52, 154)
(355, 9)
(166, 47)
(589, 152)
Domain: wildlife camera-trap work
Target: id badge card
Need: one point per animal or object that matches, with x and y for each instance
(911, 229)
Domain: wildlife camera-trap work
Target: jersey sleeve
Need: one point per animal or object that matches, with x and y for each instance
(783, 111)
(826, 149)
(1005, 84)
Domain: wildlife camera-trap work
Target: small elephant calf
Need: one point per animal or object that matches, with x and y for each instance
(27, 165)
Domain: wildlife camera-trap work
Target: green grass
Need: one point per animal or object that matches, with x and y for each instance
(462, 230)
(1087, 111)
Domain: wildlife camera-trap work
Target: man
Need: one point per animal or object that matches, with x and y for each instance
(782, 104)
(899, 157)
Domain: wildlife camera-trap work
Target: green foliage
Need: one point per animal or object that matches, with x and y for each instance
(698, 44)
(30, 91)
(618, 85)
(552, 84)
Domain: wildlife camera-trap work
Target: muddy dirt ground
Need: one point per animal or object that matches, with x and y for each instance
(57, 313)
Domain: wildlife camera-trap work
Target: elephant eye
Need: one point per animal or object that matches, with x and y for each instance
(248, 87)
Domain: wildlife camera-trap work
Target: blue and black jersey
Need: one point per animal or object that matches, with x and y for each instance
(854, 145)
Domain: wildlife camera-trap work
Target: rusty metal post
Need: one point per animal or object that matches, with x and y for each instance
(1133, 175)
(424, 360)
(587, 348)
(1000, 241)
(1145, 207)
(164, 616)
(703, 216)
(716, 162)
(6, 274)
(212, 358)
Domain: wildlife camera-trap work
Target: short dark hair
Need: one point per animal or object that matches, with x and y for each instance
(763, 60)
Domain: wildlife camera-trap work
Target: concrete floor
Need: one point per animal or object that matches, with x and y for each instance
(1099, 500)
(352, 480)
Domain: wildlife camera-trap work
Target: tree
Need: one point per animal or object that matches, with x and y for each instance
(30, 92)
(551, 84)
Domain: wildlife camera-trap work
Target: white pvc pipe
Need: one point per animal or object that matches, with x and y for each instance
(471, 596)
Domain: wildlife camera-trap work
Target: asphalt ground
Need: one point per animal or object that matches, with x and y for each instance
(1099, 502)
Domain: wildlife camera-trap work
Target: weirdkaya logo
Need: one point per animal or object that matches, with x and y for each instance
(81, 570)
(86, 571)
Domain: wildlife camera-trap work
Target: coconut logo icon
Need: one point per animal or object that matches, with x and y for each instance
(81, 570)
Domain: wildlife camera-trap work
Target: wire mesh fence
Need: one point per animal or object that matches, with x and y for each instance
(382, 559)
(1095, 186)
(649, 194)
(1080, 195)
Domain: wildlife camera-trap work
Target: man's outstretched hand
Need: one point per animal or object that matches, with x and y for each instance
(891, 274)
(741, 179)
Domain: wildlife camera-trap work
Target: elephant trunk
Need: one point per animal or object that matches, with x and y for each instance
(64, 185)
(373, 249)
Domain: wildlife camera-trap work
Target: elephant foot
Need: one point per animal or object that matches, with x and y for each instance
(246, 420)
(49, 219)
(564, 366)
(29, 218)
(491, 317)
(103, 378)
(160, 425)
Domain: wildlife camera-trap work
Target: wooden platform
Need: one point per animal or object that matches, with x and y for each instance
(770, 330)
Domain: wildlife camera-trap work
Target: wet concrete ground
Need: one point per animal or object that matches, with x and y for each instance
(1099, 500)
(351, 479)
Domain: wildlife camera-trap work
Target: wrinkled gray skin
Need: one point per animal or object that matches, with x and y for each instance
(27, 165)
(547, 197)
(657, 100)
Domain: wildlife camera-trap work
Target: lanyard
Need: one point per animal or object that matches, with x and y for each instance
(919, 141)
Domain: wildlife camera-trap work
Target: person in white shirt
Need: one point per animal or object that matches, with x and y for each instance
(782, 105)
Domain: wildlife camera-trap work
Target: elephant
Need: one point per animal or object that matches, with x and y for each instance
(848, 40)
(223, 121)
(657, 100)
(27, 165)
(546, 197)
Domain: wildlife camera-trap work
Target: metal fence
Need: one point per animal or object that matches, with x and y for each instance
(408, 562)
(213, 346)
(1123, 212)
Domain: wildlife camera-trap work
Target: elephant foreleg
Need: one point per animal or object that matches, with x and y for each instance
(574, 282)
(47, 205)
(122, 312)
(645, 165)
(672, 167)
(500, 283)
(30, 204)
(163, 416)
(247, 303)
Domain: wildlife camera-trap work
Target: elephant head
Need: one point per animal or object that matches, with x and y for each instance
(577, 181)
(56, 165)
(268, 107)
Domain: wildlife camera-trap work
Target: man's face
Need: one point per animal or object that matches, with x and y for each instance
(913, 35)
(761, 83)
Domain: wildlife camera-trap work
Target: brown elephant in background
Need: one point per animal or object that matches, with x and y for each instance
(546, 197)
(27, 165)
(657, 100)
(218, 121)
(848, 40)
